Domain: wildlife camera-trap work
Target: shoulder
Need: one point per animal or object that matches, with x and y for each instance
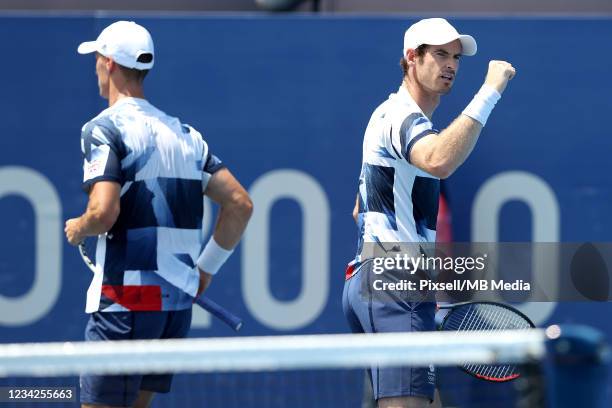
(193, 133)
(102, 130)
(412, 118)
(174, 123)
(104, 125)
(408, 116)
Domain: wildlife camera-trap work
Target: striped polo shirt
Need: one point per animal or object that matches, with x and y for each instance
(398, 202)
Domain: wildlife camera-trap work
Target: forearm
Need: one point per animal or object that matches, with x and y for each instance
(96, 220)
(235, 210)
(231, 223)
(91, 225)
(455, 143)
(101, 213)
(441, 155)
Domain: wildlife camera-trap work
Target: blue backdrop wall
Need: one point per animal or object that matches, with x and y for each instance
(284, 102)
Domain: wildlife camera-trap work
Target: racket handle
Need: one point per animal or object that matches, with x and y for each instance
(219, 312)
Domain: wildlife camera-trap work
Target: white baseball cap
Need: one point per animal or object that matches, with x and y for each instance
(437, 31)
(124, 42)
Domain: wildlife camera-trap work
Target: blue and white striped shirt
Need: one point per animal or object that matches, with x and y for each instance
(398, 202)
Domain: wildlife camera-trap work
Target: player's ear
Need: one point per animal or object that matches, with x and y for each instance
(110, 65)
(410, 56)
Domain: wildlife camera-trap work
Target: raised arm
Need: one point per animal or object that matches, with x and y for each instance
(441, 154)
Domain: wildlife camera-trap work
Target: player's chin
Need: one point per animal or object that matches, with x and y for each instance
(443, 85)
(444, 90)
(446, 87)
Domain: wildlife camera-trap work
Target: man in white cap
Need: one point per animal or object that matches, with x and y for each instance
(404, 158)
(145, 173)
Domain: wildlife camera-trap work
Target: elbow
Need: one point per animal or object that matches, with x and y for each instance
(441, 170)
(437, 165)
(243, 206)
(443, 173)
(247, 208)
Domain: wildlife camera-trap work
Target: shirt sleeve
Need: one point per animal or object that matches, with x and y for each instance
(209, 163)
(101, 149)
(212, 164)
(413, 128)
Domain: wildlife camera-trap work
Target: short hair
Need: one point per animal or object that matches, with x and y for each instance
(419, 51)
(134, 74)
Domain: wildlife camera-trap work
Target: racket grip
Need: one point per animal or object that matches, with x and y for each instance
(219, 312)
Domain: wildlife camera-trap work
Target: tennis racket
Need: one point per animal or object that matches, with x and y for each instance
(490, 316)
(87, 249)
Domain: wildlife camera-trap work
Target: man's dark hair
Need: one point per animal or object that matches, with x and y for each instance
(134, 74)
(420, 51)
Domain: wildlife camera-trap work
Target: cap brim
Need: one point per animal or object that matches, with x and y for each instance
(468, 43)
(88, 47)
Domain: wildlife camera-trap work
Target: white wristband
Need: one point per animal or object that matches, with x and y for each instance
(483, 103)
(213, 257)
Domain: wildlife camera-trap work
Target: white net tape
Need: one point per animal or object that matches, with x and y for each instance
(270, 353)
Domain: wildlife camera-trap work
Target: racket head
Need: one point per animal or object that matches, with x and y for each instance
(490, 316)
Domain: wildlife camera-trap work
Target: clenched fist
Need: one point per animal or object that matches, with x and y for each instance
(73, 231)
(500, 72)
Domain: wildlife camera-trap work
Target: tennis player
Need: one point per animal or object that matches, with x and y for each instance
(404, 158)
(145, 173)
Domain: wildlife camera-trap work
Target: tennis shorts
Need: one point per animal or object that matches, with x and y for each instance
(122, 391)
(369, 312)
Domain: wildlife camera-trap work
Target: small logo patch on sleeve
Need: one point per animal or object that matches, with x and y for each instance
(95, 167)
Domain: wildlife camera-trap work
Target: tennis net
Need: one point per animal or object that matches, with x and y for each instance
(282, 371)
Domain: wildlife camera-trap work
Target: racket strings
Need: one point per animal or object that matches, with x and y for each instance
(491, 318)
(481, 322)
(494, 319)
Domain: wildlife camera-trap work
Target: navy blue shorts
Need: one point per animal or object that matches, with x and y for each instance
(122, 391)
(367, 312)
